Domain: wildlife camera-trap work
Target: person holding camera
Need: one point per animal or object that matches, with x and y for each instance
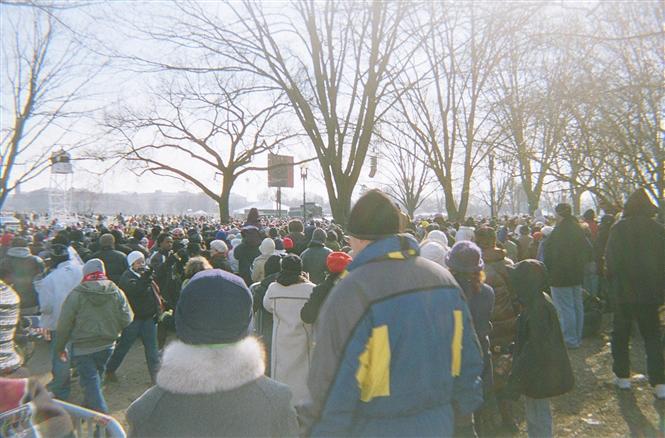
(142, 293)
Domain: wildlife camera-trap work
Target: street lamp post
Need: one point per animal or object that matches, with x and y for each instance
(303, 175)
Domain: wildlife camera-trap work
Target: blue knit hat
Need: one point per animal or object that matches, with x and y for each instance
(465, 256)
(214, 308)
(221, 235)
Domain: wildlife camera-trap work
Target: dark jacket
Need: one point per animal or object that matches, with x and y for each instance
(195, 397)
(310, 311)
(384, 362)
(140, 293)
(541, 367)
(135, 245)
(314, 262)
(635, 253)
(300, 242)
(245, 254)
(567, 251)
(115, 263)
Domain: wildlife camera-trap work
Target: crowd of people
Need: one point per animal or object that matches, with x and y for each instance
(382, 326)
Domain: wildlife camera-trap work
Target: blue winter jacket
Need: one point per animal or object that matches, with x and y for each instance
(395, 349)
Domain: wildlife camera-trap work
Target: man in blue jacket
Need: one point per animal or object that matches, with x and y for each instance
(395, 352)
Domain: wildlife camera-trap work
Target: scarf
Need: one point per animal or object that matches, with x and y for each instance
(94, 276)
(397, 247)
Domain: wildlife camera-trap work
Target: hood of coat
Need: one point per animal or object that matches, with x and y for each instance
(528, 279)
(98, 291)
(639, 204)
(196, 369)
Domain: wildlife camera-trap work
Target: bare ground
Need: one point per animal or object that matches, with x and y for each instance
(593, 409)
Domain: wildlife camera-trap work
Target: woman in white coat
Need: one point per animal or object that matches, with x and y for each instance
(291, 338)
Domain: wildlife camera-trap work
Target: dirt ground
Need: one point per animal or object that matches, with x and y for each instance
(594, 409)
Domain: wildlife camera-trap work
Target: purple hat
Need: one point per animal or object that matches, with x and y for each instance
(465, 256)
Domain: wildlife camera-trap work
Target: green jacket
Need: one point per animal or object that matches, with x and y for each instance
(93, 315)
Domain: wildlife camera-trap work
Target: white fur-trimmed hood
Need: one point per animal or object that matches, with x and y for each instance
(193, 369)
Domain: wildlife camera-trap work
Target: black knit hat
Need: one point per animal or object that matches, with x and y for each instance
(214, 308)
(564, 209)
(374, 217)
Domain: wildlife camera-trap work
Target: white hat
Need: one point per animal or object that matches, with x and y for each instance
(434, 252)
(133, 256)
(219, 246)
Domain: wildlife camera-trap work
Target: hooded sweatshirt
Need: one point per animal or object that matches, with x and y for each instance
(92, 318)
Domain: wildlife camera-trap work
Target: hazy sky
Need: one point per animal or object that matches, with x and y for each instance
(101, 29)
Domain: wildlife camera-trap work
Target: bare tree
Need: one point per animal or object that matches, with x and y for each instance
(409, 177)
(201, 122)
(448, 110)
(42, 95)
(335, 61)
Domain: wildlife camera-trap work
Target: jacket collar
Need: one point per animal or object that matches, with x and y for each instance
(192, 369)
(397, 247)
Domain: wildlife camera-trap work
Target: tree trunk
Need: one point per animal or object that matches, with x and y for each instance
(223, 200)
(533, 199)
(341, 205)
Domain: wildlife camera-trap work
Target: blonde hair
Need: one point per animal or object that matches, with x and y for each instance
(196, 264)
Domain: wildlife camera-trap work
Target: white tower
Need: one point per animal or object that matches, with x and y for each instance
(60, 189)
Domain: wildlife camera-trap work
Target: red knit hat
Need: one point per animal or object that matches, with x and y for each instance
(288, 243)
(338, 261)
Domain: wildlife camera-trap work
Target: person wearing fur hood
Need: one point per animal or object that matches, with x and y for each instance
(211, 382)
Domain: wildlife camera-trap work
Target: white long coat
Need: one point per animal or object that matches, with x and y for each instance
(291, 338)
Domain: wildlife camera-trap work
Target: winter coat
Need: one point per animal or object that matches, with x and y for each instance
(541, 367)
(310, 311)
(384, 362)
(333, 245)
(300, 242)
(291, 338)
(135, 245)
(567, 251)
(168, 269)
(195, 396)
(635, 254)
(263, 320)
(245, 254)
(314, 262)
(141, 295)
(115, 263)
(511, 249)
(267, 249)
(600, 244)
(524, 247)
(53, 290)
(19, 271)
(504, 315)
(93, 316)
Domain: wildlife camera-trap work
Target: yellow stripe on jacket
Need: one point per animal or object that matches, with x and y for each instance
(458, 331)
(373, 375)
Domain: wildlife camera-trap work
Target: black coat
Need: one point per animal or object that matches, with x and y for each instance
(635, 255)
(310, 311)
(140, 294)
(567, 250)
(245, 254)
(115, 263)
(541, 367)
